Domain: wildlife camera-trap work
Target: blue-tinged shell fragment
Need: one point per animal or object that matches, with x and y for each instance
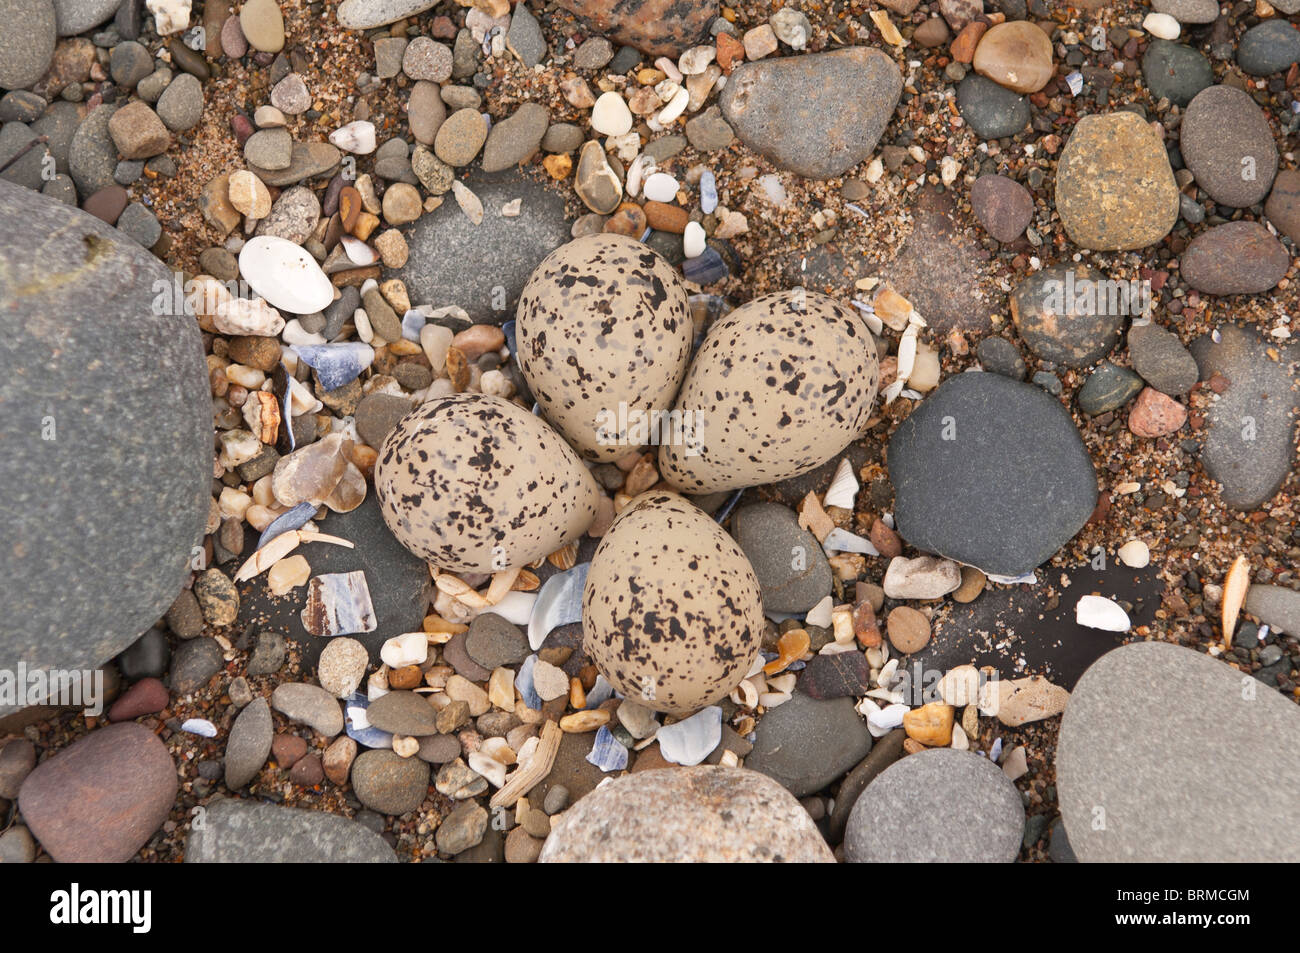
(607, 754)
(295, 518)
(336, 364)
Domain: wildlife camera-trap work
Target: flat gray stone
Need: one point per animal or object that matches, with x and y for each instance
(775, 544)
(937, 806)
(122, 400)
(92, 157)
(1249, 429)
(1168, 755)
(366, 14)
(254, 832)
(817, 115)
(78, 16)
(1223, 134)
(26, 42)
(806, 743)
(990, 472)
(1276, 605)
(505, 250)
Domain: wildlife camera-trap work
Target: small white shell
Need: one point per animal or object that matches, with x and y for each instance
(842, 541)
(820, 614)
(844, 487)
(1098, 612)
(409, 649)
(1135, 554)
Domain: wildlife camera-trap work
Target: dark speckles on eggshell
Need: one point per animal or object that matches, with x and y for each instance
(475, 483)
(779, 386)
(603, 321)
(671, 612)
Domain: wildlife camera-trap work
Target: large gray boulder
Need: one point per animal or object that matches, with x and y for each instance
(1169, 755)
(105, 437)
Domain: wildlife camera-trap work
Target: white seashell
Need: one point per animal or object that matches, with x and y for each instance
(890, 393)
(676, 106)
(887, 673)
(199, 726)
(356, 137)
(402, 650)
(844, 487)
(469, 202)
(1135, 554)
(301, 400)
(493, 770)
(660, 187)
(558, 602)
(377, 685)
(694, 240)
(516, 607)
(782, 683)
(641, 166)
(745, 694)
(885, 695)
(820, 614)
(842, 541)
(1235, 587)
(836, 648)
(359, 253)
(295, 334)
(773, 699)
(1161, 25)
(907, 352)
(866, 707)
(691, 740)
(1098, 612)
(959, 739)
(285, 275)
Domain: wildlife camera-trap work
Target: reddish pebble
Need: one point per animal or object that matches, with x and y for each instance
(242, 127)
(885, 540)
(288, 750)
(665, 217)
(307, 772)
(730, 51)
(963, 47)
(1155, 414)
(443, 28)
(146, 697)
(233, 43)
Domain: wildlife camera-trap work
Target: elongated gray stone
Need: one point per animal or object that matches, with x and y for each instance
(253, 832)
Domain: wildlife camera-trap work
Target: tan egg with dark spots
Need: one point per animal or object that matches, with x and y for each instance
(778, 387)
(604, 333)
(671, 612)
(475, 483)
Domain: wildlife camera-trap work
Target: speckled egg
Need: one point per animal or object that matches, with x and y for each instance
(603, 322)
(671, 612)
(779, 386)
(475, 483)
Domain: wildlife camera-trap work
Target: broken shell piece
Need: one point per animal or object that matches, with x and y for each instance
(844, 487)
(199, 726)
(336, 364)
(357, 724)
(262, 414)
(1234, 596)
(959, 739)
(402, 650)
(891, 307)
(881, 722)
(691, 740)
(349, 492)
(469, 202)
(558, 602)
(493, 770)
(338, 603)
(606, 752)
(842, 541)
(516, 607)
(820, 614)
(358, 252)
(310, 473)
(888, 32)
(281, 546)
(356, 137)
(1098, 612)
(288, 574)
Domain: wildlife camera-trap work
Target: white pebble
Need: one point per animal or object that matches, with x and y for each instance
(676, 106)
(660, 187)
(693, 240)
(610, 116)
(356, 137)
(1098, 612)
(1135, 554)
(1161, 25)
(409, 649)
